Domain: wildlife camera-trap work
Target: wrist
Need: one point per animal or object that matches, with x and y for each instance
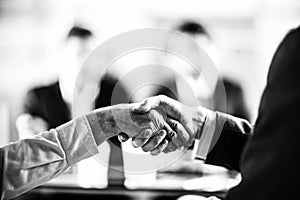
(195, 119)
(103, 124)
(203, 117)
(206, 137)
(130, 122)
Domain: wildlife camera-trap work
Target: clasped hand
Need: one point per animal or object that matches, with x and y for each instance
(172, 125)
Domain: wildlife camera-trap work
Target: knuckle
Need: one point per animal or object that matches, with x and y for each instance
(157, 140)
(146, 101)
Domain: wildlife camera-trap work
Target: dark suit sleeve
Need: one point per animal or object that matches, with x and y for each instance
(270, 166)
(234, 136)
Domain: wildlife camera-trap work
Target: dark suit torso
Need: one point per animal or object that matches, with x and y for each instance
(270, 165)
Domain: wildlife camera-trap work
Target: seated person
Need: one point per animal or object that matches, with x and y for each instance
(235, 99)
(49, 106)
(234, 96)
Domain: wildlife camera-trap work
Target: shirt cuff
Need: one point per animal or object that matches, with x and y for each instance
(97, 131)
(77, 140)
(203, 144)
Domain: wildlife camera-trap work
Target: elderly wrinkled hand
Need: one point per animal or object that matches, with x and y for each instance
(122, 120)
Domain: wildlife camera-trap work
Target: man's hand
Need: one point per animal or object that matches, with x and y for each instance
(122, 120)
(185, 121)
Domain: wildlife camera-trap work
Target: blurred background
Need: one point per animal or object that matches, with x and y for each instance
(33, 33)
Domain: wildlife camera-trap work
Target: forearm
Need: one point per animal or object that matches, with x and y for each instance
(32, 162)
(223, 140)
(103, 124)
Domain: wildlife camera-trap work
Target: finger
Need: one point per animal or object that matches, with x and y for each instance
(154, 141)
(123, 137)
(141, 138)
(160, 148)
(182, 135)
(170, 148)
(180, 138)
(166, 150)
(158, 117)
(171, 134)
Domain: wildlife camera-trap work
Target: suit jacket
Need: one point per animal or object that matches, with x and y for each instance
(270, 164)
(47, 102)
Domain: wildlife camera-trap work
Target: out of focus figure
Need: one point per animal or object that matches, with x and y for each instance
(49, 106)
(186, 85)
(235, 99)
(182, 88)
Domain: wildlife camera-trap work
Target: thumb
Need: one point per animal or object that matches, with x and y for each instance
(146, 105)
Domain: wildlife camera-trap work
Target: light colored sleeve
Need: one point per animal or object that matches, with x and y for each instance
(205, 139)
(29, 163)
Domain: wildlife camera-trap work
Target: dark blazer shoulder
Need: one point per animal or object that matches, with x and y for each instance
(45, 90)
(270, 167)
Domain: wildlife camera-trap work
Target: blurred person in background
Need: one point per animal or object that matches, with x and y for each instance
(181, 89)
(236, 104)
(235, 99)
(178, 87)
(49, 106)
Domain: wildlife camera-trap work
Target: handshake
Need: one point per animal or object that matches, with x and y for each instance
(157, 124)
